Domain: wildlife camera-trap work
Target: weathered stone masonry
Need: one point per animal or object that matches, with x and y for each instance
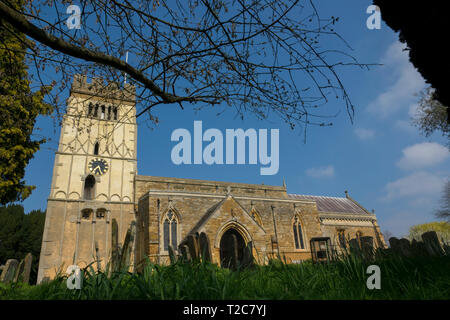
(100, 128)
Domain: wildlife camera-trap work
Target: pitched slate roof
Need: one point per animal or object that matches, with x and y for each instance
(331, 204)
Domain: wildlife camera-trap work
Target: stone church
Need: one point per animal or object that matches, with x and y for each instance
(95, 179)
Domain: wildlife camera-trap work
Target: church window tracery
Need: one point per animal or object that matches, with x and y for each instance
(170, 231)
(298, 234)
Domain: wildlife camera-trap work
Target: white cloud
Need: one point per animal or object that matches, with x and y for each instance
(406, 82)
(322, 172)
(406, 126)
(423, 155)
(413, 109)
(364, 134)
(418, 184)
(398, 221)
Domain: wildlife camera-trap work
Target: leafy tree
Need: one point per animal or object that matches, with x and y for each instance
(442, 229)
(20, 234)
(431, 115)
(19, 108)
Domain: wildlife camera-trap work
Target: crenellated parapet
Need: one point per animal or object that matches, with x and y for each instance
(98, 88)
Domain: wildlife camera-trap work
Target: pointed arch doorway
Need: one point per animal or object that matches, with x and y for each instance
(232, 247)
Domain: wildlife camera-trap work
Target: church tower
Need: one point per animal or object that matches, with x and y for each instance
(93, 177)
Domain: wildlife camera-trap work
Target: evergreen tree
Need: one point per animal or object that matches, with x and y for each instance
(20, 234)
(19, 108)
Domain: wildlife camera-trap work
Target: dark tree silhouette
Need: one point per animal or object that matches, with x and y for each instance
(423, 26)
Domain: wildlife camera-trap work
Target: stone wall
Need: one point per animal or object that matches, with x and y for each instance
(213, 207)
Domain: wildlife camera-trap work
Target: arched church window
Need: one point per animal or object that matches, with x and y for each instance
(298, 234)
(102, 115)
(109, 113)
(170, 231)
(89, 184)
(90, 109)
(96, 147)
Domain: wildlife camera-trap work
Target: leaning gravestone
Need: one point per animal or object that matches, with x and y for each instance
(432, 244)
(205, 249)
(9, 271)
(192, 243)
(25, 277)
(24, 269)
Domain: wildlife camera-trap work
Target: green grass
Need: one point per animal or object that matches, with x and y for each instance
(401, 278)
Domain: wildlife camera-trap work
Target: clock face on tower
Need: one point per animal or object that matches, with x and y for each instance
(98, 166)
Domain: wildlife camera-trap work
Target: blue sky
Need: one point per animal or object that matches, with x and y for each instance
(382, 160)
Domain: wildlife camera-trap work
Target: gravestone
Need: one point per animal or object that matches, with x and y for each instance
(205, 249)
(24, 269)
(354, 246)
(172, 255)
(395, 245)
(405, 247)
(192, 242)
(432, 244)
(9, 271)
(247, 259)
(367, 247)
(418, 249)
(184, 252)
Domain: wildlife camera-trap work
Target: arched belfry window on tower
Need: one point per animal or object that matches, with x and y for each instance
(170, 225)
(102, 115)
(89, 184)
(96, 147)
(96, 111)
(115, 113)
